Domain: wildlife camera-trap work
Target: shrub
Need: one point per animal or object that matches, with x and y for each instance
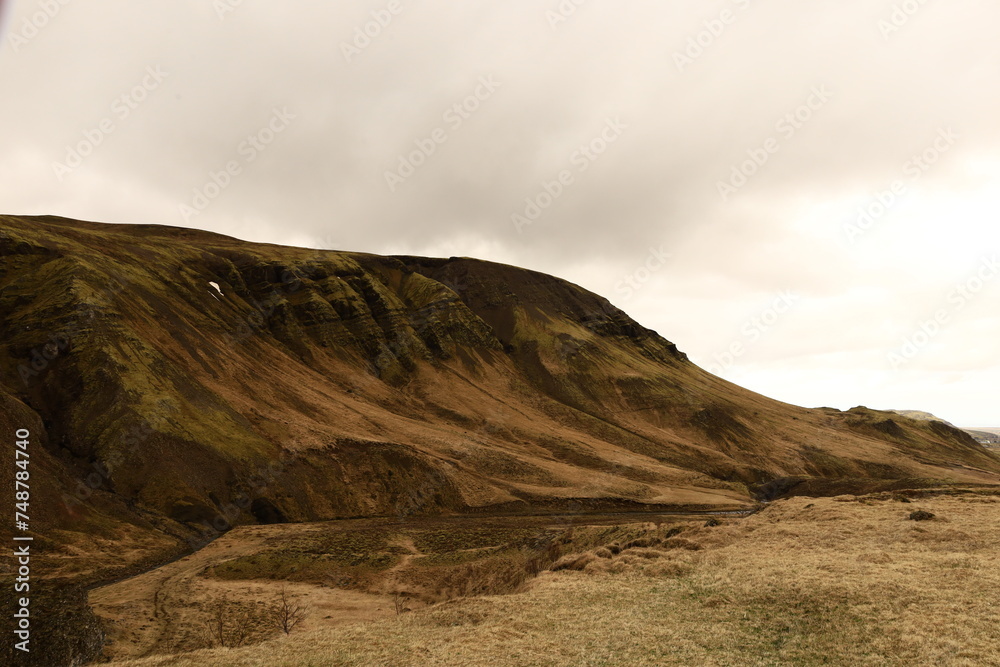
(288, 613)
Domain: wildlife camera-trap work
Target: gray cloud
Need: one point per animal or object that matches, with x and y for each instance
(690, 118)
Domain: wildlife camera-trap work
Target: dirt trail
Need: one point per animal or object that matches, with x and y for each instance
(143, 612)
(162, 611)
(393, 582)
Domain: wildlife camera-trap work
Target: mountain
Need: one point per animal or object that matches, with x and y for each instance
(920, 415)
(984, 436)
(176, 382)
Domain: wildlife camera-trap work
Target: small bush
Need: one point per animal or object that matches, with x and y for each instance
(231, 624)
(921, 515)
(288, 612)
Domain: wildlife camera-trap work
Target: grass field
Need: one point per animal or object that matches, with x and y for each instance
(841, 581)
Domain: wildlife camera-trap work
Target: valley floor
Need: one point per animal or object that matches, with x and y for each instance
(344, 571)
(834, 581)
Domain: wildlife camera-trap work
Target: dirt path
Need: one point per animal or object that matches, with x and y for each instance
(393, 581)
(163, 610)
(142, 612)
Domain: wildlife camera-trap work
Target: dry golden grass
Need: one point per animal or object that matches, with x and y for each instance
(839, 581)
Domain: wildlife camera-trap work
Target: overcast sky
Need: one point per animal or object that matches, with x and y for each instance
(701, 164)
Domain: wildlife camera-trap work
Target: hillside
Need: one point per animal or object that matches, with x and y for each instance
(984, 436)
(312, 385)
(920, 415)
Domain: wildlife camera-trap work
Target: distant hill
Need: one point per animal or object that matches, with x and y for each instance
(984, 436)
(921, 416)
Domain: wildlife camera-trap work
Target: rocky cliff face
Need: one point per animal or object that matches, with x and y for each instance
(173, 375)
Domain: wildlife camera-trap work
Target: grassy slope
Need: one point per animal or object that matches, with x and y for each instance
(808, 581)
(375, 385)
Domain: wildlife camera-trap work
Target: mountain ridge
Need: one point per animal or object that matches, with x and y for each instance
(983, 435)
(324, 384)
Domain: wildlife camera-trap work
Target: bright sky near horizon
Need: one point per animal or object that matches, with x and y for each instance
(803, 196)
